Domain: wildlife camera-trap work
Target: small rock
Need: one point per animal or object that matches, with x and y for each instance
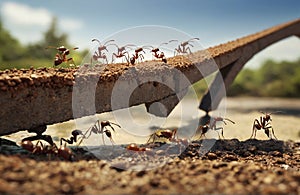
(230, 157)
(276, 153)
(280, 161)
(219, 165)
(211, 156)
(252, 149)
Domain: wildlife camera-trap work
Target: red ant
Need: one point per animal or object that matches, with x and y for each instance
(39, 148)
(101, 47)
(137, 55)
(121, 52)
(101, 128)
(61, 56)
(212, 124)
(183, 47)
(163, 134)
(161, 55)
(135, 147)
(39, 135)
(264, 123)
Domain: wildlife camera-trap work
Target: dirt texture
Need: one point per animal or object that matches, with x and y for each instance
(228, 167)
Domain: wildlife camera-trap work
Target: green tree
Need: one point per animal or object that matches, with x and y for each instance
(52, 38)
(279, 79)
(10, 48)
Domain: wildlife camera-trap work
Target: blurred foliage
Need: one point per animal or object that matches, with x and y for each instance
(277, 79)
(15, 55)
(272, 79)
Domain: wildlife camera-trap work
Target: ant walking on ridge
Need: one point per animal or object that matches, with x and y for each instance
(183, 47)
(160, 55)
(265, 124)
(137, 55)
(121, 52)
(101, 128)
(61, 56)
(101, 48)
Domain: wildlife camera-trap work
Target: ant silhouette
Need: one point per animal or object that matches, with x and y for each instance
(212, 124)
(73, 139)
(263, 123)
(183, 47)
(137, 55)
(101, 128)
(101, 48)
(160, 55)
(121, 52)
(61, 56)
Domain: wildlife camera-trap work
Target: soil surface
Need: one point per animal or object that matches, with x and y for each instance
(202, 167)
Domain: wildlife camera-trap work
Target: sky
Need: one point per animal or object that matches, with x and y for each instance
(213, 21)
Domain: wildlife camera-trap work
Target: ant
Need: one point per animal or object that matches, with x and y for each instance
(161, 55)
(27, 144)
(135, 147)
(163, 133)
(39, 148)
(203, 129)
(101, 47)
(264, 123)
(61, 56)
(121, 52)
(39, 135)
(101, 128)
(137, 55)
(73, 138)
(212, 124)
(183, 47)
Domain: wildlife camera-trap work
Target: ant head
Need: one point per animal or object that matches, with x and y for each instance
(77, 132)
(61, 48)
(27, 145)
(139, 49)
(155, 50)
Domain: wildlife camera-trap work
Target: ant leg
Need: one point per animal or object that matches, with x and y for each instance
(103, 139)
(273, 133)
(112, 58)
(254, 129)
(151, 137)
(219, 128)
(222, 134)
(61, 140)
(188, 49)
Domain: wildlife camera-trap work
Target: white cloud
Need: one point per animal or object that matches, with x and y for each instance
(71, 24)
(21, 14)
(28, 23)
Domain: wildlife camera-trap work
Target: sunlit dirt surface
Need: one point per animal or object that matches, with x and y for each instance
(234, 165)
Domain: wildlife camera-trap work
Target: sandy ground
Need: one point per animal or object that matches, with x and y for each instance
(234, 165)
(228, 167)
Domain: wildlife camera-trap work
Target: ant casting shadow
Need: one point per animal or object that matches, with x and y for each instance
(265, 124)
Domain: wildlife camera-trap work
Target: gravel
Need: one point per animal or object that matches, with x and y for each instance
(229, 167)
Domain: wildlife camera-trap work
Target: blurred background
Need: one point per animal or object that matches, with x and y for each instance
(28, 27)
